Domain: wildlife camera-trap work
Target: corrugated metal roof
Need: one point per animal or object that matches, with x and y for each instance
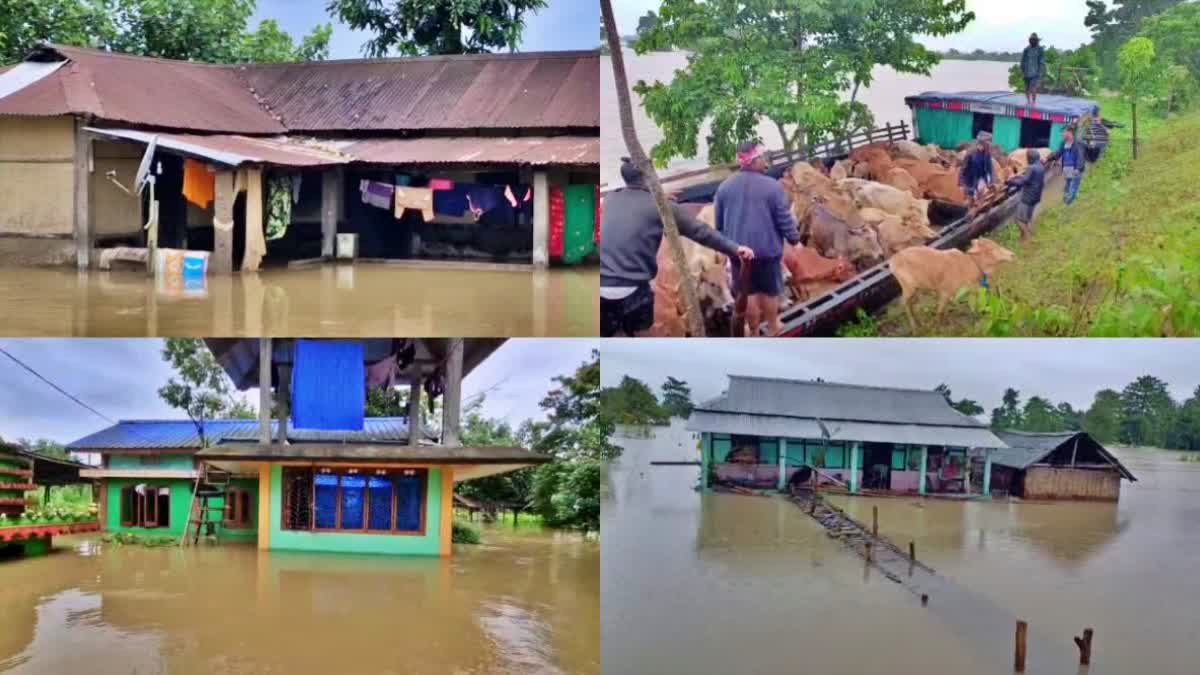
(235, 150)
(861, 432)
(1027, 448)
(1050, 103)
(835, 401)
(182, 435)
(530, 150)
(364, 452)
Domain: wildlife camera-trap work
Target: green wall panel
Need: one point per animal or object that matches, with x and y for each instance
(172, 462)
(181, 501)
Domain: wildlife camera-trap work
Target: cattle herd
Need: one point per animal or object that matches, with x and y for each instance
(853, 214)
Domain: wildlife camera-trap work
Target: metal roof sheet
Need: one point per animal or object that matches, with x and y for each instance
(234, 150)
(1027, 448)
(365, 452)
(861, 432)
(1049, 103)
(182, 434)
(834, 401)
(530, 150)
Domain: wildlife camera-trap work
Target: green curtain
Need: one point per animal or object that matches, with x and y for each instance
(1006, 132)
(946, 128)
(768, 451)
(579, 222)
(1056, 140)
(795, 452)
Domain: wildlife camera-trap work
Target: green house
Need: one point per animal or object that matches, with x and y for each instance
(950, 118)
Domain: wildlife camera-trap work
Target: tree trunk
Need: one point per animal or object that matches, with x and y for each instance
(1134, 131)
(638, 154)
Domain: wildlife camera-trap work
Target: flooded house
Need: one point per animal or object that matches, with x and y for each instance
(108, 158)
(320, 476)
(1067, 465)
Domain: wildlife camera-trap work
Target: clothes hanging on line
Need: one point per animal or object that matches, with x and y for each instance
(377, 194)
(483, 198)
(451, 202)
(417, 199)
(297, 180)
(440, 184)
(279, 206)
(511, 196)
(199, 183)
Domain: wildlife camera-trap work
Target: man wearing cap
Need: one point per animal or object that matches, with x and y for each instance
(631, 231)
(1033, 68)
(752, 209)
(1031, 183)
(977, 167)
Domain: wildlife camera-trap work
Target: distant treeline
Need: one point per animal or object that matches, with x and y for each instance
(981, 55)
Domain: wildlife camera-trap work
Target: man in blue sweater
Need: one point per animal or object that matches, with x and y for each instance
(1031, 183)
(977, 168)
(1074, 161)
(752, 209)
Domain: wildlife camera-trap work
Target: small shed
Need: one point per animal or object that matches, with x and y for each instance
(950, 118)
(1065, 465)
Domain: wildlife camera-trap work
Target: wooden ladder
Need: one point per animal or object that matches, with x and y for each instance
(211, 484)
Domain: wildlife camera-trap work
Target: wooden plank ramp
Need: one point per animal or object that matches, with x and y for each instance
(976, 619)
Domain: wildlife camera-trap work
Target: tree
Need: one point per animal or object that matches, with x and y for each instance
(44, 447)
(1176, 35)
(632, 402)
(798, 63)
(1103, 419)
(393, 402)
(1008, 415)
(200, 389)
(201, 30)
(512, 488)
(965, 406)
(1139, 76)
(1070, 73)
(677, 398)
(1186, 432)
(647, 22)
(1040, 415)
(412, 27)
(1112, 27)
(638, 155)
(1147, 412)
(1072, 419)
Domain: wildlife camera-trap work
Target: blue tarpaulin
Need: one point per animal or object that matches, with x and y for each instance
(1046, 103)
(328, 385)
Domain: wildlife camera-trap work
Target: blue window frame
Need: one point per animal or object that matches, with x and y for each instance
(369, 500)
(325, 501)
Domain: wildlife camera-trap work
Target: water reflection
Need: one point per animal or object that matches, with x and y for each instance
(334, 300)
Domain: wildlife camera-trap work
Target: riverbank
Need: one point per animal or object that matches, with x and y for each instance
(1119, 262)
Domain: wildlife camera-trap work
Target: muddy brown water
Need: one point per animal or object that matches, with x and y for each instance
(524, 602)
(729, 583)
(324, 300)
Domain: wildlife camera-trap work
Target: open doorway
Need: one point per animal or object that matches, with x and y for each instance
(877, 466)
(982, 122)
(1035, 133)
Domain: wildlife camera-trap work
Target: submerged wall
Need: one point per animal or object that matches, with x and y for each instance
(1046, 482)
(37, 193)
(181, 501)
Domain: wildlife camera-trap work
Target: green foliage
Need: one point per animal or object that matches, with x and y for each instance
(513, 487)
(464, 533)
(576, 429)
(797, 63)
(44, 447)
(394, 403)
(202, 30)
(1138, 69)
(1073, 72)
(412, 27)
(1147, 412)
(132, 539)
(862, 326)
(632, 402)
(966, 406)
(1113, 23)
(200, 387)
(1008, 415)
(1176, 35)
(567, 494)
(677, 398)
(1103, 419)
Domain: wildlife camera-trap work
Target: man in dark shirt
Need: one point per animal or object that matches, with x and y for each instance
(1031, 183)
(977, 167)
(1074, 161)
(1033, 68)
(631, 232)
(752, 209)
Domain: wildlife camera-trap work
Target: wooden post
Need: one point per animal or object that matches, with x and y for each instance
(331, 183)
(84, 233)
(987, 472)
(855, 451)
(1019, 651)
(912, 551)
(875, 521)
(924, 600)
(868, 551)
(541, 219)
(264, 391)
(452, 398)
(284, 401)
(1085, 647)
(782, 457)
(222, 257)
(414, 408)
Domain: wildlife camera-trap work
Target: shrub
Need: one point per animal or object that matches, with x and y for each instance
(464, 533)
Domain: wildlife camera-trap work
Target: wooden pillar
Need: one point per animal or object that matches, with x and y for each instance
(84, 232)
(264, 391)
(331, 208)
(414, 409)
(222, 257)
(446, 542)
(855, 460)
(541, 219)
(264, 506)
(987, 472)
(924, 464)
(284, 402)
(1019, 651)
(705, 459)
(782, 464)
(452, 398)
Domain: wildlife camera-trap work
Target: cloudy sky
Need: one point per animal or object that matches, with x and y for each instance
(999, 24)
(120, 378)
(980, 369)
(563, 24)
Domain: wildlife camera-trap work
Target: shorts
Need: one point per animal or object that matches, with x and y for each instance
(1025, 212)
(630, 315)
(766, 276)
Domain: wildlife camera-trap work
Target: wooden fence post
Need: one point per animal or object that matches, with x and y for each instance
(1085, 647)
(924, 600)
(1019, 653)
(868, 551)
(912, 551)
(875, 521)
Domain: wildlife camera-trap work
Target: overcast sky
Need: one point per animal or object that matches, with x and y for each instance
(999, 24)
(563, 24)
(980, 369)
(120, 378)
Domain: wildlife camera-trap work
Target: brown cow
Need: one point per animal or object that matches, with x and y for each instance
(835, 237)
(902, 180)
(811, 273)
(945, 272)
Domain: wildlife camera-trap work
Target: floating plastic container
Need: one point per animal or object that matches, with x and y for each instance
(347, 246)
(182, 272)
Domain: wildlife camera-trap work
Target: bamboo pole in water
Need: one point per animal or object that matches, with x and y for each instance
(912, 551)
(1019, 655)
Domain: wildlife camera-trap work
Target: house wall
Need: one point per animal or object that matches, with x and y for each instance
(1045, 482)
(164, 461)
(906, 481)
(181, 501)
(113, 212)
(37, 178)
(346, 542)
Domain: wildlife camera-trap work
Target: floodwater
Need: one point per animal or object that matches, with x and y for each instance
(525, 601)
(730, 583)
(885, 99)
(342, 300)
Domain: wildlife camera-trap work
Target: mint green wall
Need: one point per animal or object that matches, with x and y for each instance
(181, 501)
(345, 542)
(173, 462)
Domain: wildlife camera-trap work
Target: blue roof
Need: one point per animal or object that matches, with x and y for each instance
(182, 434)
(1047, 103)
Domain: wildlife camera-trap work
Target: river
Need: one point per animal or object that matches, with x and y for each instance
(730, 583)
(885, 98)
(526, 601)
(319, 301)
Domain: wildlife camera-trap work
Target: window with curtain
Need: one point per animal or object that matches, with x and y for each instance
(350, 499)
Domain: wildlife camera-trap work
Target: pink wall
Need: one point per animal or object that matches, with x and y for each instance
(906, 481)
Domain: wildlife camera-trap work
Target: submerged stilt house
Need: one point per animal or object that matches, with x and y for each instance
(318, 477)
(480, 157)
(951, 118)
(1067, 465)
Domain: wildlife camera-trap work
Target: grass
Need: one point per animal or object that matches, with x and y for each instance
(132, 539)
(464, 533)
(1120, 261)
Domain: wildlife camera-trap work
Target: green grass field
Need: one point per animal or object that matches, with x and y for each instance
(1124, 259)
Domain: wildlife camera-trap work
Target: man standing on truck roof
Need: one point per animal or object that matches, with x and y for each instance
(631, 231)
(1033, 68)
(752, 209)
(1074, 161)
(1031, 183)
(977, 168)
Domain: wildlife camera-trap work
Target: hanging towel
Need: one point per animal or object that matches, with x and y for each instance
(403, 179)
(297, 180)
(279, 207)
(328, 385)
(440, 184)
(417, 199)
(377, 194)
(556, 221)
(256, 243)
(451, 202)
(579, 227)
(199, 183)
